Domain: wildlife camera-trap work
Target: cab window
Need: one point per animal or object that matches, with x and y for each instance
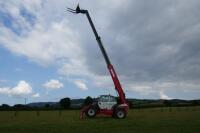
(112, 99)
(104, 99)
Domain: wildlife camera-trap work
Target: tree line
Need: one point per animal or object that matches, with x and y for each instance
(65, 103)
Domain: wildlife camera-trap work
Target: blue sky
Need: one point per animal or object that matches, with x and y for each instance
(47, 54)
(15, 68)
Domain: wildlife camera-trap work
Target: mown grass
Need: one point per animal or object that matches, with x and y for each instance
(157, 120)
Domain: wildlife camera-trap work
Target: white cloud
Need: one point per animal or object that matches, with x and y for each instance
(47, 41)
(43, 45)
(22, 89)
(102, 81)
(36, 95)
(142, 89)
(81, 85)
(158, 88)
(74, 67)
(3, 81)
(5, 91)
(53, 84)
(164, 96)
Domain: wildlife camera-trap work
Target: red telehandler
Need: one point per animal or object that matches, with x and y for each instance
(106, 104)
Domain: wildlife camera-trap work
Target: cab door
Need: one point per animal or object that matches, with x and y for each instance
(103, 102)
(112, 102)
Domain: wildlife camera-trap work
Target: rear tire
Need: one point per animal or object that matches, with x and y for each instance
(91, 112)
(120, 113)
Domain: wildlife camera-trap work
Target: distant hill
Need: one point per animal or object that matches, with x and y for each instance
(43, 104)
(74, 103)
(137, 103)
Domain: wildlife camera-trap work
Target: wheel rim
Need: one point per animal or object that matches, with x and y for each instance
(120, 114)
(91, 112)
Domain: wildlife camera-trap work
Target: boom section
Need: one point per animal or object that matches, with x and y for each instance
(110, 67)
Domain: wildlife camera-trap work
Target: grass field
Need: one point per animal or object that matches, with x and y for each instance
(157, 120)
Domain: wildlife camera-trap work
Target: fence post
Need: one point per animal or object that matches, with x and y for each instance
(60, 112)
(38, 113)
(170, 109)
(16, 113)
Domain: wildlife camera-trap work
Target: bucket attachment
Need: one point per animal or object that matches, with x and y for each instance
(78, 10)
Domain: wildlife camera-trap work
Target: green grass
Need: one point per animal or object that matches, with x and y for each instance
(157, 120)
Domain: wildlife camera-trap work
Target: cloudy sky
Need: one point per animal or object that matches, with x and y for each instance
(47, 53)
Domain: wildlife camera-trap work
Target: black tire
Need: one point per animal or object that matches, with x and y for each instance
(120, 113)
(91, 112)
(114, 108)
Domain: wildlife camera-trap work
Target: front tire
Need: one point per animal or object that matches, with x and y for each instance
(91, 112)
(120, 114)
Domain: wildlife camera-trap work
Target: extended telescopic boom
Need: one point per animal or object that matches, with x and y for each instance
(113, 74)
